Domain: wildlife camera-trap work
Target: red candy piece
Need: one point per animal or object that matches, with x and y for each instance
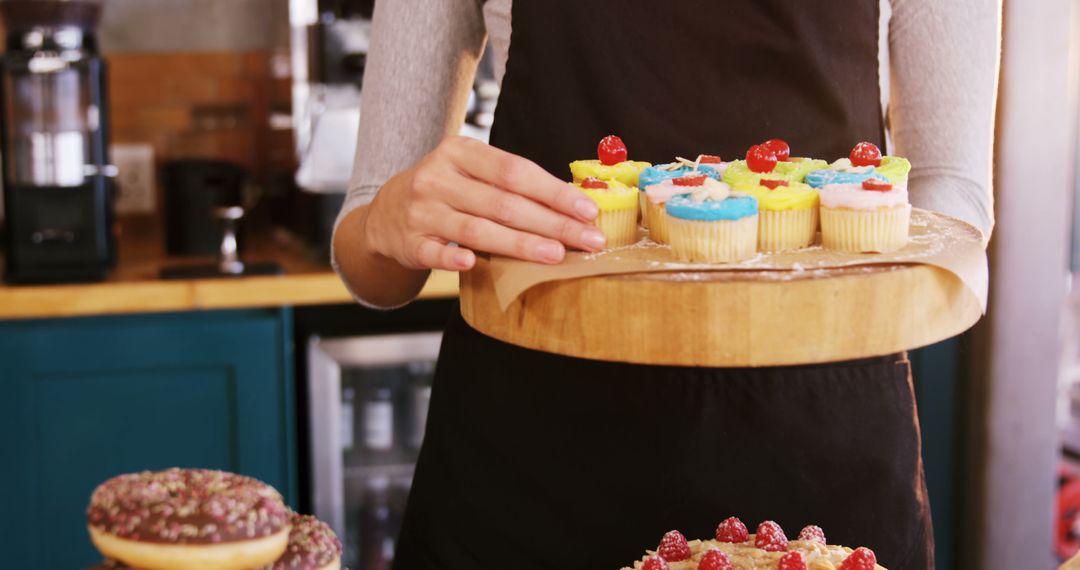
(865, 154)
(654, 563)
(709, 159)
(792, 561)
(611, 150)
(780, 148)
(812, 533)
(689, 180)
(594, 183)
(876, 185)
(673, 547)
(760, 159)
(732, 530)
(862, 559)
(770, 537)
(714, 560)
(773, 184)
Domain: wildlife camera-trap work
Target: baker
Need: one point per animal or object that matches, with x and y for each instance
(536, 460)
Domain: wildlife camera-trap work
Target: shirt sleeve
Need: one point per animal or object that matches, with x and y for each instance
(943, 94)
(420, 68)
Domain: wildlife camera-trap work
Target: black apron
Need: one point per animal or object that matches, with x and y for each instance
(534, 460)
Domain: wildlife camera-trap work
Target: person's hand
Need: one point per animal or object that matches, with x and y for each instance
(482, 199)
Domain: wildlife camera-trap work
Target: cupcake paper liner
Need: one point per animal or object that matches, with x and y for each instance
(658, 222)
(865, 231)
(718, 241)
(781, 230)
(619, 226)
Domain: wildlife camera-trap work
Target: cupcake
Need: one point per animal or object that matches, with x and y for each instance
(770, 160)
(870, 216)
(708, 165)
(611, 165)
(864, 162)
(656, 196)
(712, 225)
(618, 204)
(787, 214)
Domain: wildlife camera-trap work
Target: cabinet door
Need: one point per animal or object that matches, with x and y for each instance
(82, 400)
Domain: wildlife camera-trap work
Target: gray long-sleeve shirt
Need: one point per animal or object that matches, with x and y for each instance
(939, 63)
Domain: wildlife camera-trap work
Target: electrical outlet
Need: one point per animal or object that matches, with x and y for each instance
(136, 180)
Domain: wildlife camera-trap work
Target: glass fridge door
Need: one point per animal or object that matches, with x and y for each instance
(369, 399)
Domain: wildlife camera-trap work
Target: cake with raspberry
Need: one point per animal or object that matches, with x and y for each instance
(734, 548)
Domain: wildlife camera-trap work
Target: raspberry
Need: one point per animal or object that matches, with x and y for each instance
(772, 184)
(792, 561)
(654, 563)
(611, 150)
(709, 159)
(770, 537)
(862, 559)
(812, 533)
(714, 560)
(732, 530)
(689, 180)
(594, 183)
(673, 547)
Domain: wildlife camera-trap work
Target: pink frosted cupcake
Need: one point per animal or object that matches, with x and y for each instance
(870, 216)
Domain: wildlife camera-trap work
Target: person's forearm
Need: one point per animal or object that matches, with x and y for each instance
(374, 279)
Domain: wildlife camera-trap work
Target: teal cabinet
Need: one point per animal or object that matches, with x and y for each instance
(82, 400)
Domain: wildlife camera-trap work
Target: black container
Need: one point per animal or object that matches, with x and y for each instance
(193, 188)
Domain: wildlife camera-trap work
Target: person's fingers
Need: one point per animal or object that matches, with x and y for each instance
(516, 211)
(433, 254)
(480, 234)
(520, 175)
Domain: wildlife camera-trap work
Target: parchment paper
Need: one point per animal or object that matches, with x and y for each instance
(936, 239)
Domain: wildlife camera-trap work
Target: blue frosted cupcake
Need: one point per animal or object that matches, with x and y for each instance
(712, 225)
(661, 173)
(842, 172)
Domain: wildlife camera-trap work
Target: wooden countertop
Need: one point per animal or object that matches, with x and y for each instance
(134, 286)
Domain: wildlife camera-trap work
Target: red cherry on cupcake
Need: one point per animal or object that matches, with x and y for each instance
(594, 183)
(780, 148)
(611, 150)
(689, 180)
(709, 159)
(865, 154)
(773, 184)
(760, 159)
(876, 185)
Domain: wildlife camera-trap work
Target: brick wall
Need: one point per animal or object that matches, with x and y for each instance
(202, 105)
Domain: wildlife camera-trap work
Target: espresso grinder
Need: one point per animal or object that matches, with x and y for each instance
(57, 182)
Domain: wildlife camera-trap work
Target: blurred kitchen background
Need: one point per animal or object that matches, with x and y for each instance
(222, 132)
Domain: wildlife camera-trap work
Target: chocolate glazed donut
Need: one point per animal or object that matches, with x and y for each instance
(188, 519)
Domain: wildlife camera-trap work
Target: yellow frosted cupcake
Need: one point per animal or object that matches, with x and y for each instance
(611, 165)
(787, 214)
(770, 160)
(712, 225)
(871, 216)
(618, 204)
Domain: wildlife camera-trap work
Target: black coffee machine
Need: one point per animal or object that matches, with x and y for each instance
(58, 184)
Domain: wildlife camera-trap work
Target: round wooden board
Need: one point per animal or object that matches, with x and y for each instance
(728, 318)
